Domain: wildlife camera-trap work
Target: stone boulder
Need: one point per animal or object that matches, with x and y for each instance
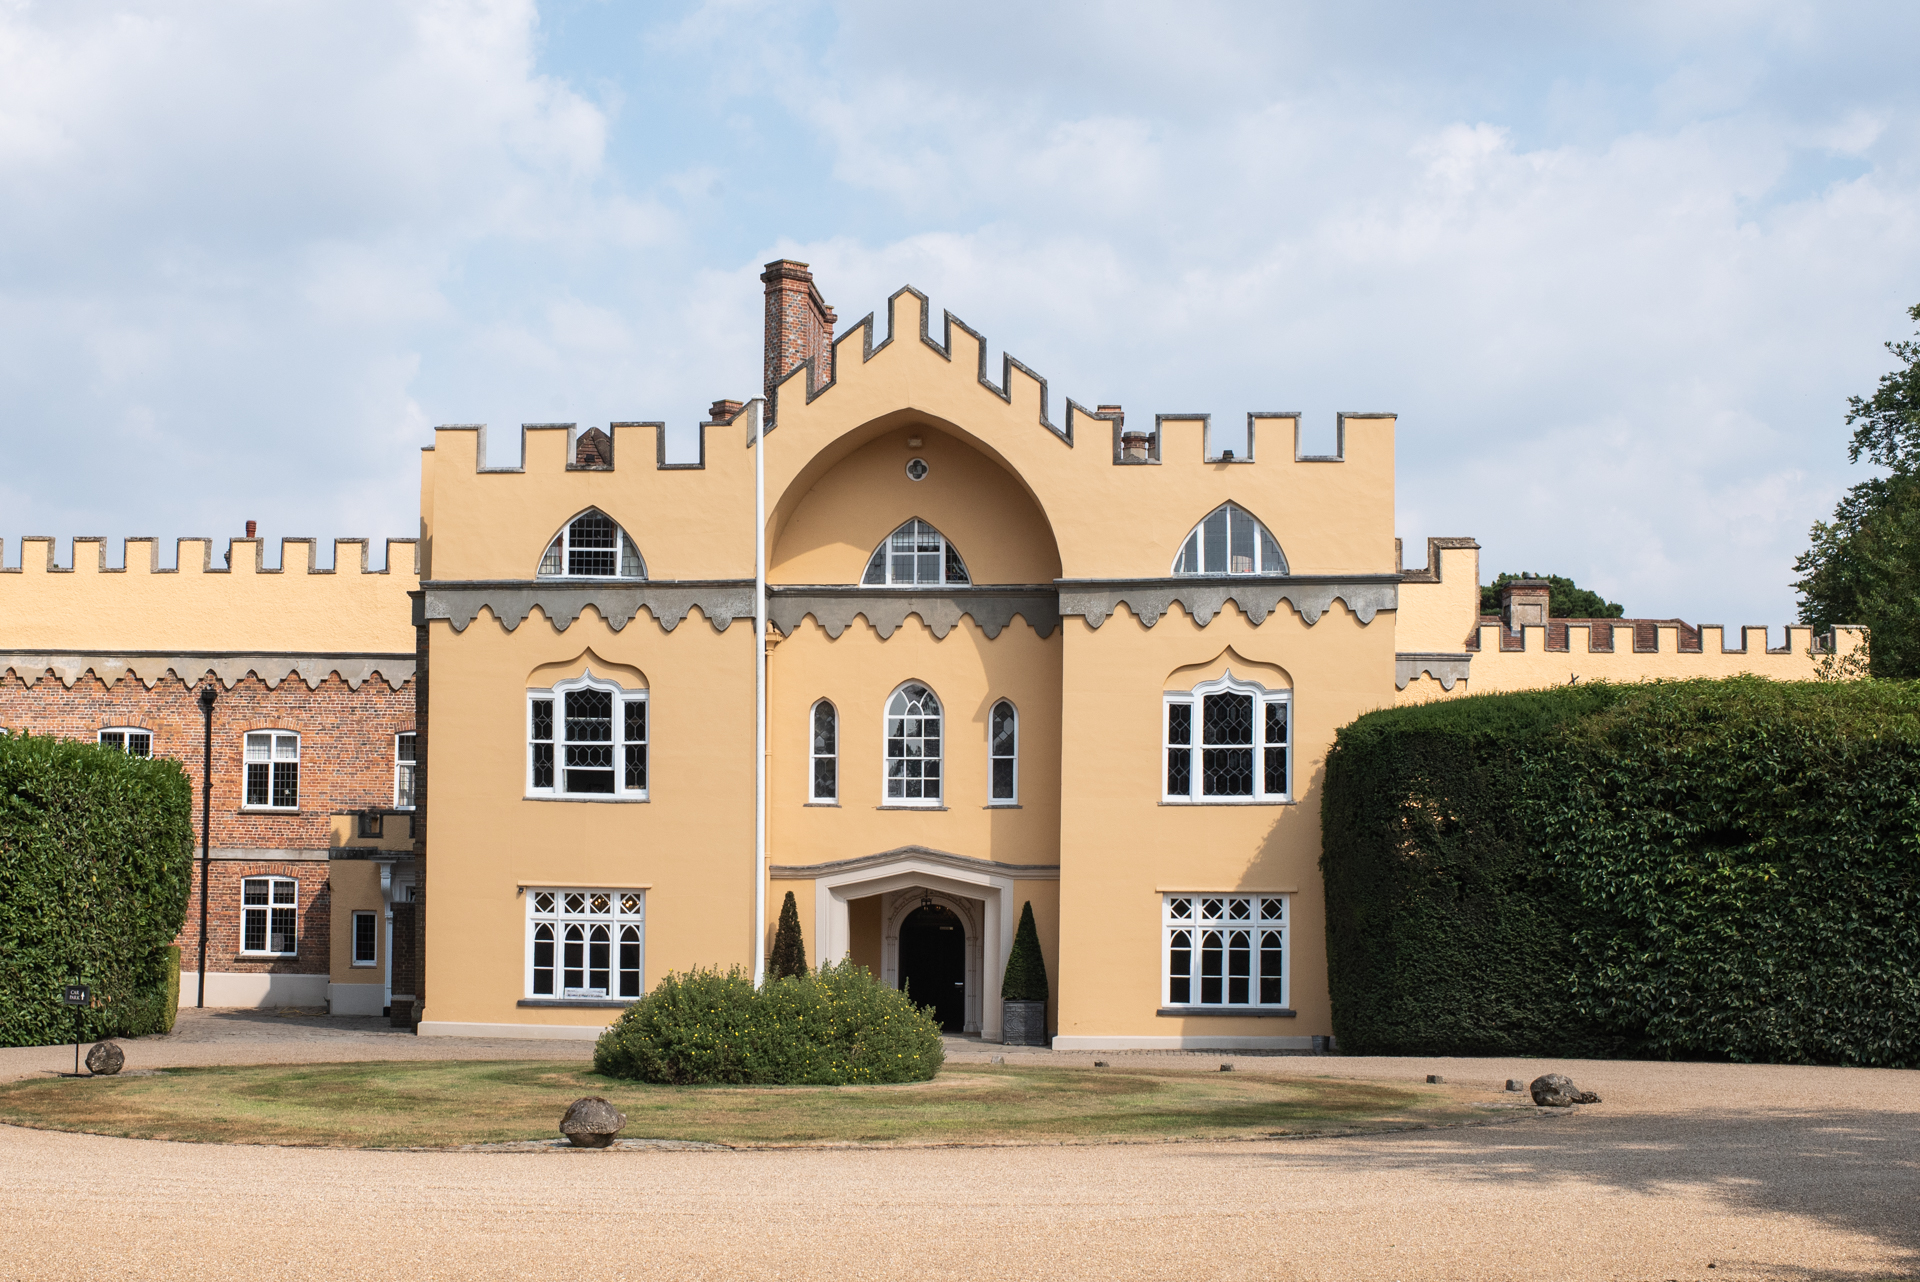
(592, 1122)
(105, 1059)
(1557, 1091)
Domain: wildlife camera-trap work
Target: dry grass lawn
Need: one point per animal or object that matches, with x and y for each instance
(448, 1103)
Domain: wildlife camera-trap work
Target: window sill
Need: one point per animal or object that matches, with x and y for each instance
(360, 965)
(268, 956)
(591, 798)
(1232, 1012)
(1001, 805)
(268, 810)
(824, 805)
(909, 807)
(578, 1003)
(1231, 801)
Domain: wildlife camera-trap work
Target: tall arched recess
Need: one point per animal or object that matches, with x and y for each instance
(1230, 540)
(962, 496)
(591, 546)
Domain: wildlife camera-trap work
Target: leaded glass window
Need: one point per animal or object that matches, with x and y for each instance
(135, 743)
(593, 546)
(1227, 741)
(272, 770)
(587, 738)
(269, 916)
(585, 945)
(1229, 540)
(913, 747)
(915, 555)
(824, 753)
(1224, 950)
(403, 770)
(1003, 754)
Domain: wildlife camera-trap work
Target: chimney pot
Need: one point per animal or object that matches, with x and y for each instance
(1135, 446)
(1525, 603)
(723, 411)
(251, 527)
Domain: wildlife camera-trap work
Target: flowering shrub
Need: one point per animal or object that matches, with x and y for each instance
(834, 1027)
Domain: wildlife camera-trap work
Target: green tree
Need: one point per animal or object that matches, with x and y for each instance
(1026, 979)
(789, 953)
(1864, 565)
(1566, 599)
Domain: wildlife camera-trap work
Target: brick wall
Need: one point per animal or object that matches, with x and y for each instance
(799, 325)
(312, 927)
(346, 764)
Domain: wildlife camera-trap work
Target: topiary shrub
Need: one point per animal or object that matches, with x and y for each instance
(1026, 977)
(789, 956)
(1725, 869)
(95, 865)
(835, 1027)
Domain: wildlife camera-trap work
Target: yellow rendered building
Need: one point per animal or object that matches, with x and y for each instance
(1016, 652)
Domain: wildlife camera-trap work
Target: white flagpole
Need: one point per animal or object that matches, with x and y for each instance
(758, 409)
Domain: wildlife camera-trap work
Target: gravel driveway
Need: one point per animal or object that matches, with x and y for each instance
(1756, 1171)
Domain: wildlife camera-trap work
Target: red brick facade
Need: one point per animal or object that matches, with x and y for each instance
(346, 765)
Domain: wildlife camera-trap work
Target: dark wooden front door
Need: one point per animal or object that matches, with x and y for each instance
(933, 964)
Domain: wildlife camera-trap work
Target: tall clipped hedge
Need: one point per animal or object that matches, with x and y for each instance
(96, 855)
(1689, 869)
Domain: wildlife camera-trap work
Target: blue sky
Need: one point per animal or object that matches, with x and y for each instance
(1617, 268)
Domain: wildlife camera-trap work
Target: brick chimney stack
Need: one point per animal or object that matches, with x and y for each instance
(799, 324)
(1524, 603)
(725, 411)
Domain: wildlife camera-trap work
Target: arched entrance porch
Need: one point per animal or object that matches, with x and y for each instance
(978, 892)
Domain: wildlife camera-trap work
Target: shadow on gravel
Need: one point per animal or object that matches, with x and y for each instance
(1848, 1169)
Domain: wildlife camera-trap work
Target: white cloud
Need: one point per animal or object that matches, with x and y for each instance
(1617, 269)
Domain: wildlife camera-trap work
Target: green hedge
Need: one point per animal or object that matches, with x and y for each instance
(836, 1026)
(95, 866)
(1720, 869)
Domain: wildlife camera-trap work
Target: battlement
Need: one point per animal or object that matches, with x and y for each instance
(203, 604)
(563, 447)
(1650, 636)
(39, 555)
(959, 344)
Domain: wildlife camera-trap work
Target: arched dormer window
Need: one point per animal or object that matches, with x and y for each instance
(1230, 541)
(592, 546)
(915, 555)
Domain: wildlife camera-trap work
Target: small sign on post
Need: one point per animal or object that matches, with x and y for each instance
(76, 995)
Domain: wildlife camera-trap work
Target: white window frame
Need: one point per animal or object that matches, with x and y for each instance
(1264, 553)
(124, 741)
(561, 910)
(1012, 758)
(923, 802)
(815, 796)
(627, 706)
(354, 943)
(276, 761)
(1194, 701)
(882, 559)
(267, 910)
(406, 776)
(558, 562)
(1260, 916)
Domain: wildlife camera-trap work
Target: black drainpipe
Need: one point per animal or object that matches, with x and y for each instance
(207, 696)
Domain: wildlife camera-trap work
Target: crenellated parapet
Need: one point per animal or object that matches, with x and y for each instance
(143, 615)
(1119, 497)
(1445, 647)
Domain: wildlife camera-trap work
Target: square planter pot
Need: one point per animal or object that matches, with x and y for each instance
(1023, 1023)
